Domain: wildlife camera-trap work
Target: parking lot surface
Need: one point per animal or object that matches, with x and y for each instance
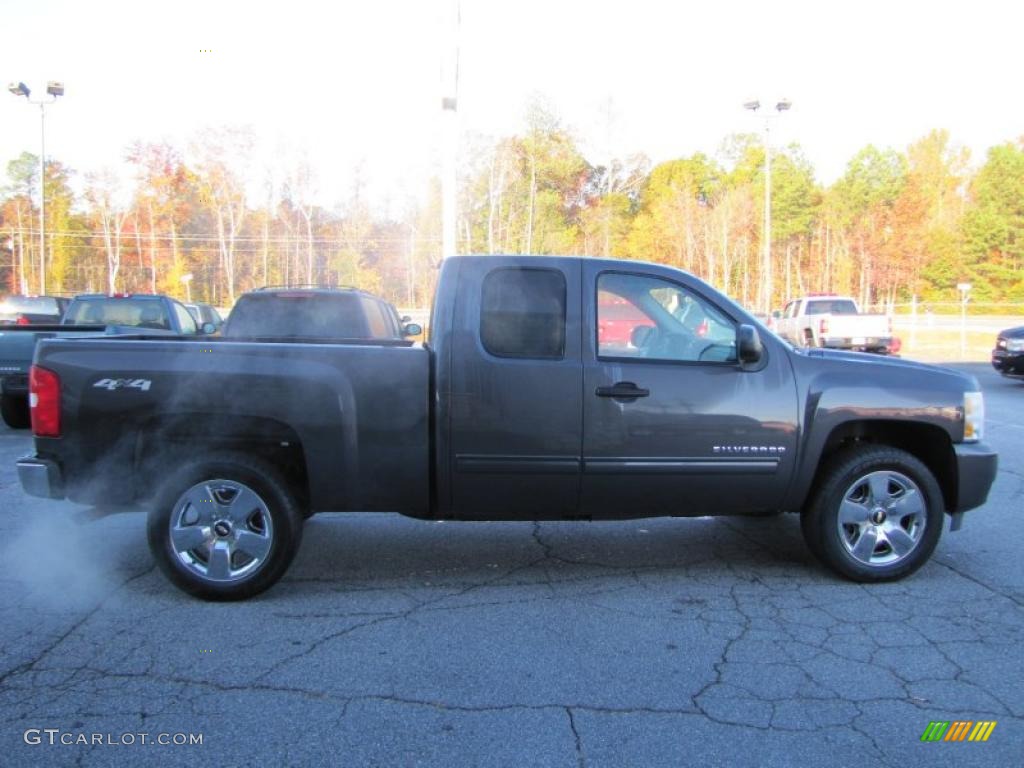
(712, 642)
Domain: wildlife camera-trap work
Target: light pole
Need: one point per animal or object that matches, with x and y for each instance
(766, 235)
(187, 280)
(55, 89)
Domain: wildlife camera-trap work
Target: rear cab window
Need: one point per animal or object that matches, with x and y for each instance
(522, 313)
(299, 314)
(831, 307)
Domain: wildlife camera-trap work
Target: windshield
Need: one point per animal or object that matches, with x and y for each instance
(36, 305)
(831, 307)
(143, 313)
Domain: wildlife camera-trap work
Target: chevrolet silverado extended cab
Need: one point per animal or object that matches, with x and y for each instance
(834, 322)
(515, 409)
(85, 315)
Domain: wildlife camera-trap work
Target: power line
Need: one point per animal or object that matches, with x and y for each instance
(291, 240)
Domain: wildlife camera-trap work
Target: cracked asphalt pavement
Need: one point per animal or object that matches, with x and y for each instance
(712, 642)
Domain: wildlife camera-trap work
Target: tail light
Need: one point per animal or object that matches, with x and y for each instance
(22, 320)
(823, 326)
(44, 401)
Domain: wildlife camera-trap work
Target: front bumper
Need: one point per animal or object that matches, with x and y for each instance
(40, 477)
(976, 466)
(1008, 363)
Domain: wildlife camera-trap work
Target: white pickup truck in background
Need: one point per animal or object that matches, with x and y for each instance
(834, 322)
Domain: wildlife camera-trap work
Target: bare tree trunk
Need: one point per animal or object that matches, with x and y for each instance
(22, 282)
(308, 216)
(138, 244)
(491, 204)
(266, 245)
(533, 193)
(152, 252)
(789, 261)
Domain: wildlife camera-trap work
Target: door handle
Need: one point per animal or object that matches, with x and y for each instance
(625, 390)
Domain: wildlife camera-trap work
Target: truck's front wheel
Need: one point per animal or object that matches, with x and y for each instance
(14, 410)
(877, 514)
(225, 527)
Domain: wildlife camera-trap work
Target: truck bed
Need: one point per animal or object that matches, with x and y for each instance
(356, 414)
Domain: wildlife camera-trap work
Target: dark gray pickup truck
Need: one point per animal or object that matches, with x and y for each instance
(519, 408)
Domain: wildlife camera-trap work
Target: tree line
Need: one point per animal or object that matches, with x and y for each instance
(898, 223)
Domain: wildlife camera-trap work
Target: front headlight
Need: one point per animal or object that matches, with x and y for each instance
(974, 416)
(1015, 345)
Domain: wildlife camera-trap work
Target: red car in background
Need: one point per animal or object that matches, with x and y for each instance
(617, 320)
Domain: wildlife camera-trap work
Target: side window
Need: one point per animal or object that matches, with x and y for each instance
(376, 320)
(654, 319)
(185, 319)
(522, 313)
(790, 310)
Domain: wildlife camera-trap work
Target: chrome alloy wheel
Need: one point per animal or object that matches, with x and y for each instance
(221, 530)
(882, 518)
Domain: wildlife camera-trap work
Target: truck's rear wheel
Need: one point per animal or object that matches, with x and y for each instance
(877, 514)
(14, 410)
(225, 527)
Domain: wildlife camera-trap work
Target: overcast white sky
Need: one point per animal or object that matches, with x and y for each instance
(349, 82)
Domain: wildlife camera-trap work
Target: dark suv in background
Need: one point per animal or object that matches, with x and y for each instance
(318, 312)
(1008, 355)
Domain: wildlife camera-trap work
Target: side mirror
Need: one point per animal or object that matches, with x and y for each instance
(412, 329)
(208, 328)
(748, 344)
(405, 319)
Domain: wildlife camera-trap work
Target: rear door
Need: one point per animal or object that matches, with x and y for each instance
(515, 378)
(673, 425)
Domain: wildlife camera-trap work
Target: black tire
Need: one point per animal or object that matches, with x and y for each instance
(844, 481)
(281, 535)
(14, 410)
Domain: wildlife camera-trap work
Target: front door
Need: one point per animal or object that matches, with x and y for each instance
(673, 424)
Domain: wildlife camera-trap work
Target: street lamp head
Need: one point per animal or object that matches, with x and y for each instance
(19, 89)
(752, 105)
(55, 88)
(783, 105)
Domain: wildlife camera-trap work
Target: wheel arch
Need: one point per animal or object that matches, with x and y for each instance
(164, 442)
(929, 443)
